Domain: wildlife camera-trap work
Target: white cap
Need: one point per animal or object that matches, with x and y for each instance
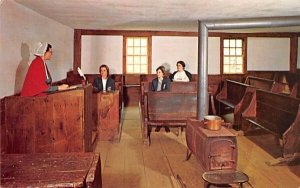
(40, 48)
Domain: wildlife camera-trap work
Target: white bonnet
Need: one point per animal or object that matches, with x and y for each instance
(40, 48)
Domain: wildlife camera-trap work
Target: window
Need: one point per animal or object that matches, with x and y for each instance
(233, 56)
(137, 57)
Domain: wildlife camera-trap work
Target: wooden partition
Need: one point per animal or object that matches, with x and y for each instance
(106, 115)
(58, 122)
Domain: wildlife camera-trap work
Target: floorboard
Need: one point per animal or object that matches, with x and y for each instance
(129, 164)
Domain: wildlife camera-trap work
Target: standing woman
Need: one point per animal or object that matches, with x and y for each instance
(161, 83)
(104, 82)
(38, 79)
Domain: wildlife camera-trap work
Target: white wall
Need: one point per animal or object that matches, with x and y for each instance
(168, 50)
(268, 54)
(97, 50)
(20, 29)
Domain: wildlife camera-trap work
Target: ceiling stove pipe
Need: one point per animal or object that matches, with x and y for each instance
(205, 26)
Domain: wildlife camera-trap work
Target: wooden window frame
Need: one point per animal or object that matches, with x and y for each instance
(244, 53)
(149, 52)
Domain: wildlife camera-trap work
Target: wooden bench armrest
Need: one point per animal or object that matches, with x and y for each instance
(294, 90)
(291, 139)
(250, 111)
(223, 93)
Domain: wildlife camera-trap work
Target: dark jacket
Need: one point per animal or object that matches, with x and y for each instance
(99, 87)
(188, 74)
(165, 86)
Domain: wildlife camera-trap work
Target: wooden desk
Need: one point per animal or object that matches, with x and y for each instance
(51, 170)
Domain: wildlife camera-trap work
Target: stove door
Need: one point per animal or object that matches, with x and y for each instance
(222, 154)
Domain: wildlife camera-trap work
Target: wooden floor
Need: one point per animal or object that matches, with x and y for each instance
(130, 164)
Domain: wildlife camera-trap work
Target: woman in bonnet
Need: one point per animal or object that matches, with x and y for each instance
(38, 79)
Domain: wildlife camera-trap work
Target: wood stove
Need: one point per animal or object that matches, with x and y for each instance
(216, 150)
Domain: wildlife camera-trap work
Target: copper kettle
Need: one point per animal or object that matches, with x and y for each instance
(213, 122)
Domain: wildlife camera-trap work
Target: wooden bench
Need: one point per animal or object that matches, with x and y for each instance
(167, 109)
(51, 170)
(58, 122)
(236, 96)
(277, 114)
(213, 88)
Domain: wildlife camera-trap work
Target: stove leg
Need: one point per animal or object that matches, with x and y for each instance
(188, 154)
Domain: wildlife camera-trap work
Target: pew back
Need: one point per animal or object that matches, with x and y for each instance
(275, 112)
(171, 106)
(260, 83)
(166, 109)
(174, 87)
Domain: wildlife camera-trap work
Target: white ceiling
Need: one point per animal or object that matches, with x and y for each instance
(162, 15)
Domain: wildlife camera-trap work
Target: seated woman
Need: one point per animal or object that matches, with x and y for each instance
(181, 75)
(104, 82)
(161, 83)
(38, 79)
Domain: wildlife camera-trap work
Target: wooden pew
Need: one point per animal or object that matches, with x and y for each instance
(271, 85)
(277, 114)
(167, 109)
(213, 87)
(73, 79)
(58, 122)
(106, 115)
(51, 170)
(236, 96)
